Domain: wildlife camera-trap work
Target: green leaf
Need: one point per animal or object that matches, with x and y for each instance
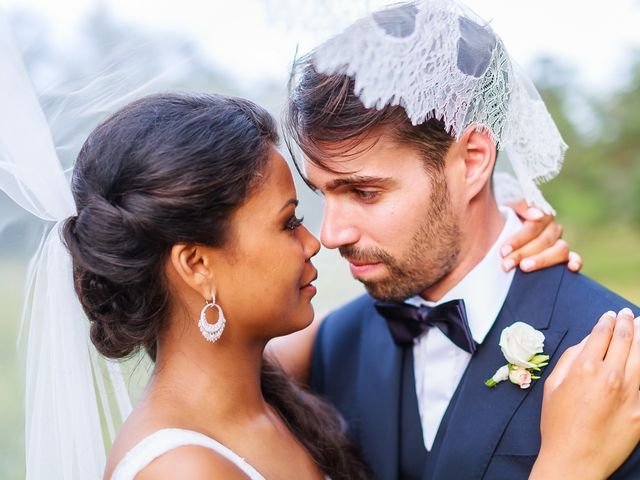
(538, 359)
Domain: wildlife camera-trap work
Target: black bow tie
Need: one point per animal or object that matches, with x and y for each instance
(407, 322)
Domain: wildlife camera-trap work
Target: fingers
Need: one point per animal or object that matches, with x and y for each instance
(618, 351)
(553, 255)
(597, 344)
(564, 365)
(575, 262)
(529, 231)
(525, 212)
(632, 368)
(613, 343)
(538, 238)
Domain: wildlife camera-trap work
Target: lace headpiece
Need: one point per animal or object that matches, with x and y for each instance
(436, 58)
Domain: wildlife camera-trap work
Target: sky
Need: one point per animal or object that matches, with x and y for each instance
(253, 39)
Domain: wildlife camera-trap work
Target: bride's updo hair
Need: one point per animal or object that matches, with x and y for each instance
(165, 169)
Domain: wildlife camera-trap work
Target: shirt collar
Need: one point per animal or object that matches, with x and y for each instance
(484, 289)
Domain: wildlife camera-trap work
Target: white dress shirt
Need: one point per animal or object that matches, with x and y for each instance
(438, 363)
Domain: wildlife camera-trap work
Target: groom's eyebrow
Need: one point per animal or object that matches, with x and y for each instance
(354, 180)
(291, 201)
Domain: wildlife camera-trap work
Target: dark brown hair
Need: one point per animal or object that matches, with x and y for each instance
(164, 169)
(168, 169)
(325, 117)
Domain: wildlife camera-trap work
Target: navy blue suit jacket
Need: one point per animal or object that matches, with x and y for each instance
(486, 433)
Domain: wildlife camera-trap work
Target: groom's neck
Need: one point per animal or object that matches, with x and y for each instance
(479, 230)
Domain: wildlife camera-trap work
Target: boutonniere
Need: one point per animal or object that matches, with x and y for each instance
(521, 345)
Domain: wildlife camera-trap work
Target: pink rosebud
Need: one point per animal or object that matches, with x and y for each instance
(520, 376)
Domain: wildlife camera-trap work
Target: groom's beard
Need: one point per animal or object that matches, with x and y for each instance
(431, 255)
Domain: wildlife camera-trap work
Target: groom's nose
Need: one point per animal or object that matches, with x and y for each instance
(338, 227)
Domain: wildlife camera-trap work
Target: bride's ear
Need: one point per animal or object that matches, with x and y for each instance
(193, 265)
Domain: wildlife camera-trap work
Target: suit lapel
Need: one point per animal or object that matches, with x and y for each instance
(476, 420)
(379, 397)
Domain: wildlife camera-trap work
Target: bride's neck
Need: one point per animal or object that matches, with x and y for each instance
(221, 378)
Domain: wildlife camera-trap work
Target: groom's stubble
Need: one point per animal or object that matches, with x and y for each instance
(433, 250)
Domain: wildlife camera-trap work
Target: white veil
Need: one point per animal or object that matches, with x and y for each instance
(73, 398)
(438, 59)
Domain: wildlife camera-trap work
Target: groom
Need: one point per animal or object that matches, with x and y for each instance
(413, 211)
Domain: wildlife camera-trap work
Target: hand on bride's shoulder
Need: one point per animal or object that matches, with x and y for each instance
(192, 462)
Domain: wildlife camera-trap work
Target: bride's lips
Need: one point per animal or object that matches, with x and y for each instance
(307, 286)
(362, 267)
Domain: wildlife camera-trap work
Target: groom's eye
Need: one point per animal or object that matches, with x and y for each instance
(366, 195)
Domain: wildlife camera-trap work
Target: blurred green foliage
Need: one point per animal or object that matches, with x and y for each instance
(11, 377)
(597, 194)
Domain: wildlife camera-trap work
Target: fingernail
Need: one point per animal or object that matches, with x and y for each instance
(508, 264)
(607, 318)
(527, 264)
(506, 250)
(534, 214)
(626, 311)
(574, 266)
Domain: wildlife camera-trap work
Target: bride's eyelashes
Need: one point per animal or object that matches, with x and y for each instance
(293, 222)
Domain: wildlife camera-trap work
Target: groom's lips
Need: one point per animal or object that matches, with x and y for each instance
(360, 268)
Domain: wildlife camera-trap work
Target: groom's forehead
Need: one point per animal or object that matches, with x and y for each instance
(373, 144)
(377, 165)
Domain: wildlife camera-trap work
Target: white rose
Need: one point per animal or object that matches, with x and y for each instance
(520, 342)
(501, 375)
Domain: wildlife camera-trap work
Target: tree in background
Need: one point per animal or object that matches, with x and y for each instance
(597, 194)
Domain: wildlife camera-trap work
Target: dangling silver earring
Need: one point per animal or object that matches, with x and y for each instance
(211, 331)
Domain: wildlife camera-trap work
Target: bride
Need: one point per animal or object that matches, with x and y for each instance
(186, 214)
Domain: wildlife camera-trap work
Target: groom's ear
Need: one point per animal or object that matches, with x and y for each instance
(478, 152)
(193, 266)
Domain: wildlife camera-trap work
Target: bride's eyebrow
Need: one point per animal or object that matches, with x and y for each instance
(291, 201)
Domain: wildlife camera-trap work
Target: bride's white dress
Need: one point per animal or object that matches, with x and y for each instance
(167, 439)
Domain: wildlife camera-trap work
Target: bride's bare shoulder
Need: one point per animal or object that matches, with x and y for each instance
(191, 462)
(187, 461)
(136, 428)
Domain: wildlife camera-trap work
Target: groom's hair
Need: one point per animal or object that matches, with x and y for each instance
(325, 118)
